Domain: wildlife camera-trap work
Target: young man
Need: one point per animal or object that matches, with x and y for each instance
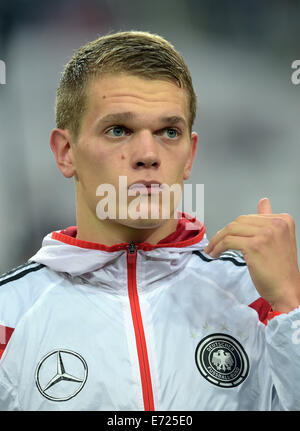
(138, 311)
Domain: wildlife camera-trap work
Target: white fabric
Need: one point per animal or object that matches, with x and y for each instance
(79, 302)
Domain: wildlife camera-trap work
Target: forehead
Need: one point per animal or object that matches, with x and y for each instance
(146, 97)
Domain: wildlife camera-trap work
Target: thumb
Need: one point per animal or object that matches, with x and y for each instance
(264, 206)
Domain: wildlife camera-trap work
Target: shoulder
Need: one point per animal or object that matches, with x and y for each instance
(20, 272)
(233, 256)
(230, 272)
(19, 289)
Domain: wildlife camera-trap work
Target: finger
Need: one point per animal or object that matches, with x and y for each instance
(232, 229)
(264, 206)
(230, 242)
(259, 219)
(264, 220)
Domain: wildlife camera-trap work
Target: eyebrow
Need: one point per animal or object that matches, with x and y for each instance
(123, 116)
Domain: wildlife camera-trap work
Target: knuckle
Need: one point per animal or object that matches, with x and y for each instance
(230, 227)
(223, 244)
(293, 225)
(280, 223)
(290, 220)
(226, 242)
(240, 218)
(256, 244)
(268, 232)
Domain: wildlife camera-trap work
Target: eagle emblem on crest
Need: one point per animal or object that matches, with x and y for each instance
(222, 360)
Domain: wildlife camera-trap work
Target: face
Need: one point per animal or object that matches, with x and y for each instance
(138, 129)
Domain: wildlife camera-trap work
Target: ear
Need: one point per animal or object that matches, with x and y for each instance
(61, 146)
(190, 160)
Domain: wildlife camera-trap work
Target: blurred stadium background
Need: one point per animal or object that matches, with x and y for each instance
(239, 53)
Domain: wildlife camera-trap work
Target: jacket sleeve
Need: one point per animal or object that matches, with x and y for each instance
(283, 351)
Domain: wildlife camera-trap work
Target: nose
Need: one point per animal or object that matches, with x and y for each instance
(145, 151)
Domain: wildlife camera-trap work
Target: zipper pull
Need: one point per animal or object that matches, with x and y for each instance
(132, 248)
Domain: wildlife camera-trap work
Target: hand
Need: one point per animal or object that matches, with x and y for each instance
(268, 244)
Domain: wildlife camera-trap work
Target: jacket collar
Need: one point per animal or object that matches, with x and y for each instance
(63, 252)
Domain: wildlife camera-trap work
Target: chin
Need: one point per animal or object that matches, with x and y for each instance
(142, 223)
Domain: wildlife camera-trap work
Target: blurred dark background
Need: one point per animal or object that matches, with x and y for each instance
(240, 55)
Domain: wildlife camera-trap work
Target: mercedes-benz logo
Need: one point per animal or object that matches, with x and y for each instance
(52, 379)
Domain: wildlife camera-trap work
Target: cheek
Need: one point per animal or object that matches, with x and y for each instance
(178, 163)
(93, 157)
(91, 165)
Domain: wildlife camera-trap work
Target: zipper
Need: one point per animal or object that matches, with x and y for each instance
(139, 328)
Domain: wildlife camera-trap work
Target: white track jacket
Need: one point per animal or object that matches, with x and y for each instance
(137, 327)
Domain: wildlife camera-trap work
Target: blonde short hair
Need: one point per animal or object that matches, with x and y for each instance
(134, 52)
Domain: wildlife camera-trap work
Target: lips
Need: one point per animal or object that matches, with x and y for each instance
(146, 187)
(144, 183)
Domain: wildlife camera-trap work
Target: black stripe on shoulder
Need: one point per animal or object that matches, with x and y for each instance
(20, 272)
(236, 262)
(231, 259)
(206, 259)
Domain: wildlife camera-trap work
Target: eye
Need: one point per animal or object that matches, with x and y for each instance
(117, 131)
(170, 132)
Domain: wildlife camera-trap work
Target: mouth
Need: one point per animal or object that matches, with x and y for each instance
(145, 187)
